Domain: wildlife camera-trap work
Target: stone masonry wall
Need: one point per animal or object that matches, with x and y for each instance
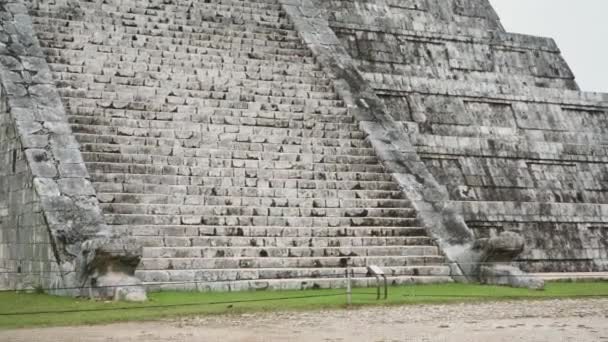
(416, 41)
(497, 119)
(26, 254)
(483, 130)
(48, 189)
(391, 142)
(215, 141)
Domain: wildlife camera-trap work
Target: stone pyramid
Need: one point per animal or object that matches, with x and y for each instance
(269, 144)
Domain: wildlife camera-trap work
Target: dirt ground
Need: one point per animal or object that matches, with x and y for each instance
(555, 321)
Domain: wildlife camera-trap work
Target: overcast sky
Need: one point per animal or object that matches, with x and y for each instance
(580, 28)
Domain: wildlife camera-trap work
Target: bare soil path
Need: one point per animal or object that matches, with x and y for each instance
(533, 321)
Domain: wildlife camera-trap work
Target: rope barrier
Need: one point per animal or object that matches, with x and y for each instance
(177, 305)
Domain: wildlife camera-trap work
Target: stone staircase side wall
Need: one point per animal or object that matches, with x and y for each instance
(388, 137)
(56, 190)
(27, 258)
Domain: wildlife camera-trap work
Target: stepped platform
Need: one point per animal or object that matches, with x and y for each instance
(272, 144)
(214, 139)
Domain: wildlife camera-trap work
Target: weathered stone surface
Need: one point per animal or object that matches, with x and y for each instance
(507, 275)
(498, 256)
(389, 139)
(212, 145)
(51, 210)
(120, 287)
(270, 144)
(496, 118)
(503, 248)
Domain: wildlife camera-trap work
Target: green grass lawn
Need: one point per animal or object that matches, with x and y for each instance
(29, 310)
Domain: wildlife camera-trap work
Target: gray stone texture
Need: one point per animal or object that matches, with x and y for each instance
(53, 226)
(389, 139)
(496, 117)
(267, 144)
(218, 144)
(27, 260)
(496, 264)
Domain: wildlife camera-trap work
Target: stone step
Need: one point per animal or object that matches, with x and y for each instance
(573, 276)
(183, 209)
(197, 141)
(179, 113)
(100, 125)
(133, 15)
(220, 131)
(179, 20)
(355, 262)
(177, 199)
(116, 64)
(214, 275)
(234, 159)
(175, 27)
(166, 43)
(44, 19)
(261, 183)
(69, 88)
(245, 192)
(290, 284)
(265, 8)
(270, 19)
(190, 147)
(360, 181)
(318, 242)
(168, 170)
(207, 11)
(251, 220)
(267, 5)
(95, 79)
(208, 76)
(130, 108)
(286, 252)
(224, 134)
(163, 8)
(99, 157)
(63, 59)
(145, 34)
(102, 99)
(267, 232)
(330, 175)
(237, 158)
(137, 111)
(135, 120)
(287, 123)
(177, 63)
(236, 177)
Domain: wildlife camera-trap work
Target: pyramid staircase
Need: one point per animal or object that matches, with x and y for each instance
(213, 137)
